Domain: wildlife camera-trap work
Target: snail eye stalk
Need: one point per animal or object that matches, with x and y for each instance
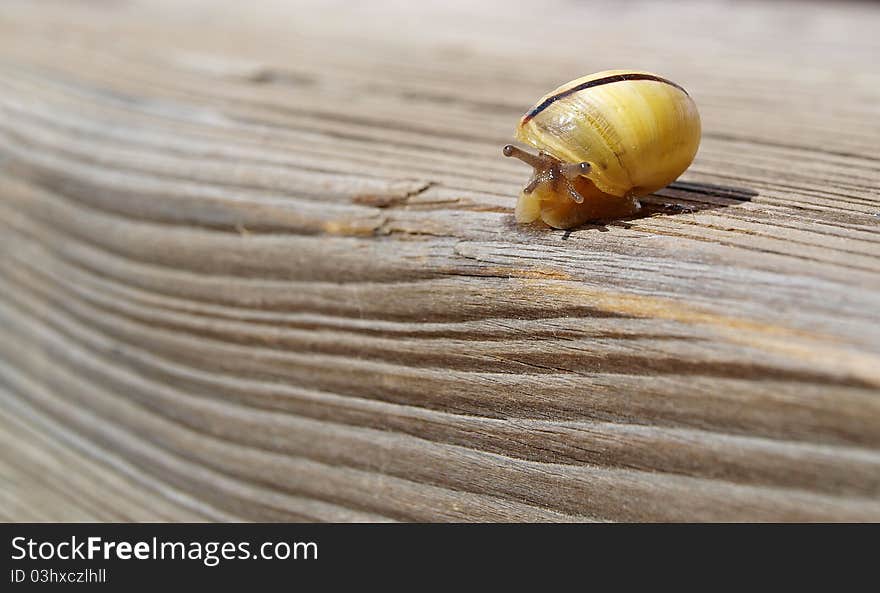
(549, 170)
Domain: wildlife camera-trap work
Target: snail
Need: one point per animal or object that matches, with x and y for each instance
(603, 141)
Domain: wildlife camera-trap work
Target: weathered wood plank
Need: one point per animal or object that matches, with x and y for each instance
(263, 266)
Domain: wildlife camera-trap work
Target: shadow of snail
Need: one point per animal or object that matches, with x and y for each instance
(676, 199)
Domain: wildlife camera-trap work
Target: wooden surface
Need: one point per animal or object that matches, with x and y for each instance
(259, 262)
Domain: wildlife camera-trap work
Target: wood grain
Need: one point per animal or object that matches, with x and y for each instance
(261, 264)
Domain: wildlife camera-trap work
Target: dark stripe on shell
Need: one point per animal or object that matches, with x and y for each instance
(590, 84)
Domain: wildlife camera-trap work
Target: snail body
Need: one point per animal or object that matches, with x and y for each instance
(604, 140)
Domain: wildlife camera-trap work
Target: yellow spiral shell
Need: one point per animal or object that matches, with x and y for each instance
(637, 131)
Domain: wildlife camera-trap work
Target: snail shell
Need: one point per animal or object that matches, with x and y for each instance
(604, 140)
